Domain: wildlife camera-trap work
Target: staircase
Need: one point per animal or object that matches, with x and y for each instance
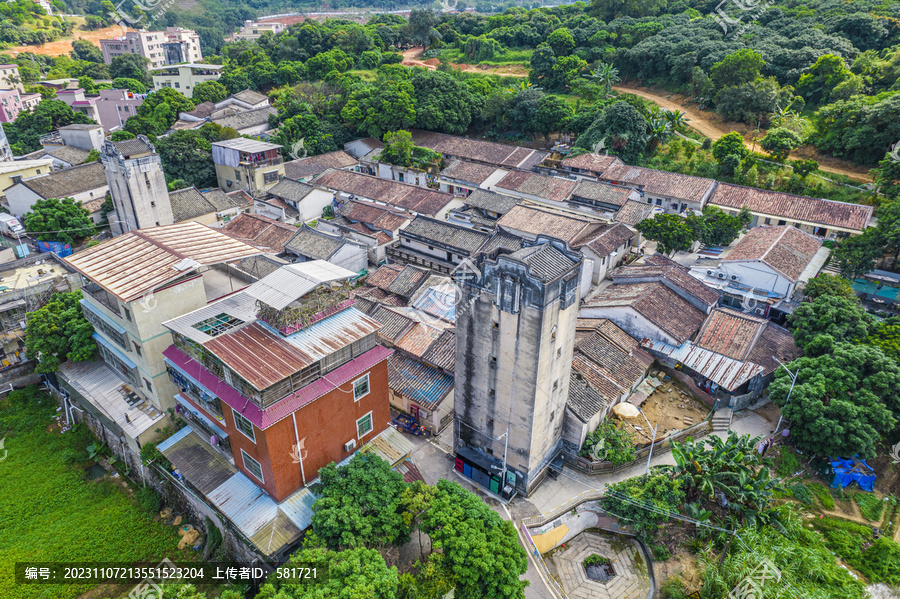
(831, 269)
(721, 420)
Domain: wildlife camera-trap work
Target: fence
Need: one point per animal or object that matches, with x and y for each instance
(554, 584)
(594, 468)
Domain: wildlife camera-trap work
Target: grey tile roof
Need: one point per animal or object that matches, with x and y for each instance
(785, 248)
(502, 240)
(584, 401)
(596, 163)
(604, 193)
(313, 165)
(288, 189)
(244, 120)
(249, 96)
(313, 244)
(68, 182)
(490, 201)
(479, 150)
(542, 221)
(189, 203)
(132, 147)
(456, 236)
(393, 324)
(408, 281)
(442, 353)
(542, 186)
(202, 110)
(655, 182)
(70, 154)
(545, 261)
(261, 266)
(631, 213)
(224, 201)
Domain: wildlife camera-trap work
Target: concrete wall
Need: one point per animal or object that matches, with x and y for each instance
(184, 81)
(32, 171)
(759, 276)
(21, 199)
(138, 189)
(85, 139)
(351, 256)
(115, 107)
(631, 321)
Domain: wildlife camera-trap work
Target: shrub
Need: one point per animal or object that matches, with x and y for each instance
(610, 443)
(800, 492)
(595, 560)
(660, 553)
(787, 463)
(822, 494)
(870, 506)
(672, 588)
(149, 499)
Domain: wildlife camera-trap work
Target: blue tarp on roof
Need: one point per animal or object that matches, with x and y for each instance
(849, 471)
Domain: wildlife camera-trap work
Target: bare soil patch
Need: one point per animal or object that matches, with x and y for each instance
(62, 47)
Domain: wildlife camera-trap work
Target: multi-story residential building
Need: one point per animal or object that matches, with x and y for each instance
(115, 106)
(248, 164)
(184, 77)
(134, 283)
(13, 171)
(10, 79)
(137, 185)
(79, 102)
(513, 361)
(283, 377)
(30, 101)
(5, 151)
(10, 105)
(86, 184)
(172, 46)
(252, 30)
(84, 137)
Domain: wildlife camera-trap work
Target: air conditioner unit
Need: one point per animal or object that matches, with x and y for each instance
(710, 272)
(735, 277)
(721, 275)
(350, 445)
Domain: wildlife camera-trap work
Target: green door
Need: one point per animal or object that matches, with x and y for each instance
(495, 485)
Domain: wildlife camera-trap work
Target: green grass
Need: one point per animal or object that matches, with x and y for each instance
(822, 494)
(879, 561)
(870, 505)
(507, 57)
(51, 514)
(365, 75)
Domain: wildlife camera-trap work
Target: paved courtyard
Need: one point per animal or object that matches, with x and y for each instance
(630, 582)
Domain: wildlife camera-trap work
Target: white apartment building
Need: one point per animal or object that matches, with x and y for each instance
(173, 46)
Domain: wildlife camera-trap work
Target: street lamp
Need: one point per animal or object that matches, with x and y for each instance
(793, 376)
(652, 441)
(505, 448)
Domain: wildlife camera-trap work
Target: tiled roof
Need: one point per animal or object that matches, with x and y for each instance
(225, 201)
(260, 266)
(786, 249)
(774, 341)
(420, 383)
(595, 376)
(70, 154)
(456, 236)
(383, 277)
(470, 172)
(289, 211)
(442, 353)
(610, 240)
(584, 401)
(542, 186)
(247, 119)
(68, 182)
(502, 240)
(288, 189)
(730, 333)
(188, 204)
(312, 244)
(408, 281)
(342, 223)
(539, 221)
(393, 324)
(250, 97)
(605, 193)
(132, 147)
(418, 339)
(828, 213)
(374, 216)
(545, 261)
(380, 296)
(631, 213)
(202, 110)
(672, 276)
(490, 201)
(596, 163)
(479, 150)
(412, 198)
(313, 165)
(658, 259)
(654, 182)
(616, 364)
(655, 302)
(260, 231)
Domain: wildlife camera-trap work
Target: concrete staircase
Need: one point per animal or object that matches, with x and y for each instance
(721, 420)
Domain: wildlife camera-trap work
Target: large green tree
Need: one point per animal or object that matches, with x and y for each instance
(842, 402)
(671, 232)
(57, 332)
(623, 130)
(817, 84)
(856, 255)
(825, 284)
(779, 142)
(828, 319)
(552, 115)
(164, 105)
(187, 155)
(742, 66)
(58, 220)
(209, 91)
(444, 103)
(130, 66)
(359, 504)
(481, 551)
(85, 50)
(375, 110)
(715, 226)
(24, 133)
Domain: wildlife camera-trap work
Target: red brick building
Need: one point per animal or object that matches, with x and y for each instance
(283, 377)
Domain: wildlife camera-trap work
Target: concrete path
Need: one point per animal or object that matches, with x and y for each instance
(630, 582)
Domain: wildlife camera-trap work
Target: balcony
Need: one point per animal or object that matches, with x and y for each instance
(258, 162)
(104, 297)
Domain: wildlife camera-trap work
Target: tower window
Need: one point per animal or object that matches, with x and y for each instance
(493, 362)
(496, 325)
(492, 393)
(490, 423)
(555, 385)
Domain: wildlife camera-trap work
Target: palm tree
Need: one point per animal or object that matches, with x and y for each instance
(606, 76)
(675, 119)
(659, 132)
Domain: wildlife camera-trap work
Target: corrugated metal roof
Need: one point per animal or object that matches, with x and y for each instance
(130, 265)
(239, 305)
(423, 384)
(164, 446)
(293, 281)
(244, 503)
(333, 333)
(438, 300)
(722, 370)
(418, 339)
(390, 445)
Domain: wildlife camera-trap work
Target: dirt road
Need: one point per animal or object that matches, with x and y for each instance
(64, 46)
(413, 58)
(704, 122)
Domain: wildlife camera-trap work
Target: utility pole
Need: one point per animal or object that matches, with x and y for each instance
(793, 376)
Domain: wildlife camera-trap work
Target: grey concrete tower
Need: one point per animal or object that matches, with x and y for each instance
(137, 185)
(515, 333)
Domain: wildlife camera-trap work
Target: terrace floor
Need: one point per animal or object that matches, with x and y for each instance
(630, 582)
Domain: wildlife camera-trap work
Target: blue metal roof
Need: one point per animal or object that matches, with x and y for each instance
(299, 507)
(420, 383)
(168, 443)
(440, 301)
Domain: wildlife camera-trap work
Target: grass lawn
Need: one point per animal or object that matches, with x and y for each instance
(49, 513)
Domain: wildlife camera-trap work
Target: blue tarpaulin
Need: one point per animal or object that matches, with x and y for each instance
(849, 471)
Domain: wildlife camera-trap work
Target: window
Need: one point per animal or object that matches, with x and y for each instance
(252, 466)
(237, 175)
(559, 353)
(551, 416)
(127, 313)
(271, 177)
(39, 172)
(137, 349)
(768, 221)
(243, 425)
(364, 426)
(153, 204)
(490, 423)
(495, 325)
(493, 362)
(555, 385)
(148, 385)
(361, 387)
(492, 393)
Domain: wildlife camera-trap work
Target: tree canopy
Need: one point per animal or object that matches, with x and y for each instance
(187, 155)
(671, 232)
(58, 220)
(57, 332)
